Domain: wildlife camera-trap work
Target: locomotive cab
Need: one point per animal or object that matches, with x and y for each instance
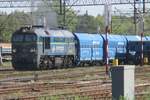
(24, 49)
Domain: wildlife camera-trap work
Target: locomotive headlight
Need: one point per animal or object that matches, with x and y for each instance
(32, 50)
(14, 50)
(132, 52)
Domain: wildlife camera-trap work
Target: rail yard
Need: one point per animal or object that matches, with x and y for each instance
(74, 50)
(66, 84)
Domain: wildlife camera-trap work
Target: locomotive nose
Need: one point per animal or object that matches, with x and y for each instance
(25, 56)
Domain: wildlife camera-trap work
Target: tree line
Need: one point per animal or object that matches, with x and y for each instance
(9, 23)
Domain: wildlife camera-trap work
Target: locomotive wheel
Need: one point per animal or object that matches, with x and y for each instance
(49, 64)
(70, 62)
(45, 63)
(82, 64)
(65, 62)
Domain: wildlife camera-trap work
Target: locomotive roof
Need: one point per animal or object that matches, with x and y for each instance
(148, 38)
(83, 36)
(86, 36)
(114, 37)
(53, 33)
(96, 37)
(134, 38)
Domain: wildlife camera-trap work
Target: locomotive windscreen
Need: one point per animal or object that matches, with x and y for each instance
(29, 38)
(17, 38)
(24, 38)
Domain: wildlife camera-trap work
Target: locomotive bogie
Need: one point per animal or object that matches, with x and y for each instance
(54, 62)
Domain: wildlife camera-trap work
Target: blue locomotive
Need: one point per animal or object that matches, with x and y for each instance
(39, 48)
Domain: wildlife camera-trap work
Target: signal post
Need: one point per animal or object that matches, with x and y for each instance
(107, 15)
(1, 62)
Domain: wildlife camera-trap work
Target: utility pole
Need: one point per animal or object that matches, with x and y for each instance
(107, 16)
(32, 9)
(1, 59)
(135, 16)
(143, 6)
(64, 13)
(142, 32)
(60, 7)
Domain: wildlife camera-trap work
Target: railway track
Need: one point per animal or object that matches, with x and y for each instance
(92, 90)
(64, 75)
(61, 88)
(70, 85)
(9, 72)
(53, 75)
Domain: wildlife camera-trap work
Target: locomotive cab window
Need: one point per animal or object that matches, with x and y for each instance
(47, 43)
(17, 38)
(59, 39)
(30, 38)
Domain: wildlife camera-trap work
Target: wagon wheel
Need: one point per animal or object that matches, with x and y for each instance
(42, 64)
(49, 64)
(65, 63)
(70, 62)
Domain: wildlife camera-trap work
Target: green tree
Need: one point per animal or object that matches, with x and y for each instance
(70, 15)
(146, 25)
(122, 25)
(86, 23)
(100, 21)
(10, 23)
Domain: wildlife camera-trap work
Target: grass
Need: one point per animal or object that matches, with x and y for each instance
(6, 64)
(57, 72)
(73, 97)
(146, 97)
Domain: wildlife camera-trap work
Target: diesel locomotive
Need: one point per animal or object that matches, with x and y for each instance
(37, 48)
